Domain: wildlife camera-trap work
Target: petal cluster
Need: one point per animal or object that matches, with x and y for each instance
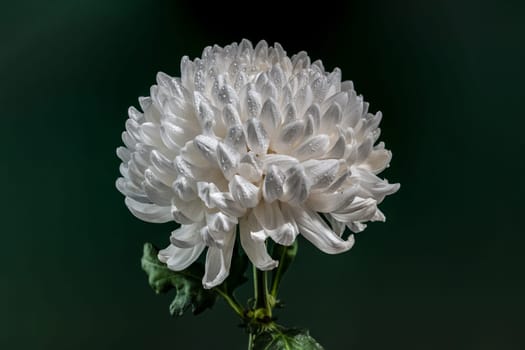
(252, 141)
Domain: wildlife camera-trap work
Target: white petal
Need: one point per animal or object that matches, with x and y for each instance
(173, 136)
(281, 161)
(288, 218)
(178, 91)
(145, 102)
(261, 50)
(187, 212)
(204, 191)
(356, 227)
(178, 110)
(243, 191)
(150, 135)
(255, 249)
(159, 94)
(378, 160)
(250, 167)
(339, 181)
(224, 202)
(314, 147)
(141, 157)
(252, 104)
(149, 212)
(288, 136)
(378, 216)
(296, 186)
(353, 112)
(162, 167)
(204, 111)
(228, 159)
(285, 97)
(152, 114)
(133, 129)
(314, 229)
(303, 98)
(331, 118)
(319, 89)
(257, 232)
(261, 81)
(123, 169)
(158, 97)
(347, 85)
(227, 95)
(314, 113)
(186, 236)
(272, 220)
(300, 61)
(207, 146)
(364, 149)
(192, 155)
(361, 209)
(230, 116)
(235, 138)
(187, 71)
(177, 258)
(163, 79)
(337, 226)
(209, 240)
(273, 184)
(256, 137)
(240, 80)
(199, 79)
(338, 149)
(270, 116)
(218, 226)
(218, 261)
(270, 91)
(135, 115)
(321, 173)
(328, 202)
(334, 81)
(309, 128)
(196, 172)
(284, 234)
(135, 174)
(371, 184)
(156, 190)
(245, 47)
(124, 154)
(277, 76)
(185, 189)
(128, 189)
(279, 51)
(369, 124)
(290, 113)
(268, 215)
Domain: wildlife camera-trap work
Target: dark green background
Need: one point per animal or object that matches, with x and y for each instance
(445, 272)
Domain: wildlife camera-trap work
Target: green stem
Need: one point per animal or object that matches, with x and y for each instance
(261, 314)
(230, 299)
(260, 286)
(278, 275)
(251, 336)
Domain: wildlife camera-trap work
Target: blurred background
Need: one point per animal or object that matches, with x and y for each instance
(445, 272)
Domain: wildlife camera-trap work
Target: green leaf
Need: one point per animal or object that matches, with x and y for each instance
(187, 283)
(285, 255)
(285, 339)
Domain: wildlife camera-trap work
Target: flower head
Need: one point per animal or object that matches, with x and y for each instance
(250, 138)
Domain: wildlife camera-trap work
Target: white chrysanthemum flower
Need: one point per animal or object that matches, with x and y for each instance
(250, 137)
